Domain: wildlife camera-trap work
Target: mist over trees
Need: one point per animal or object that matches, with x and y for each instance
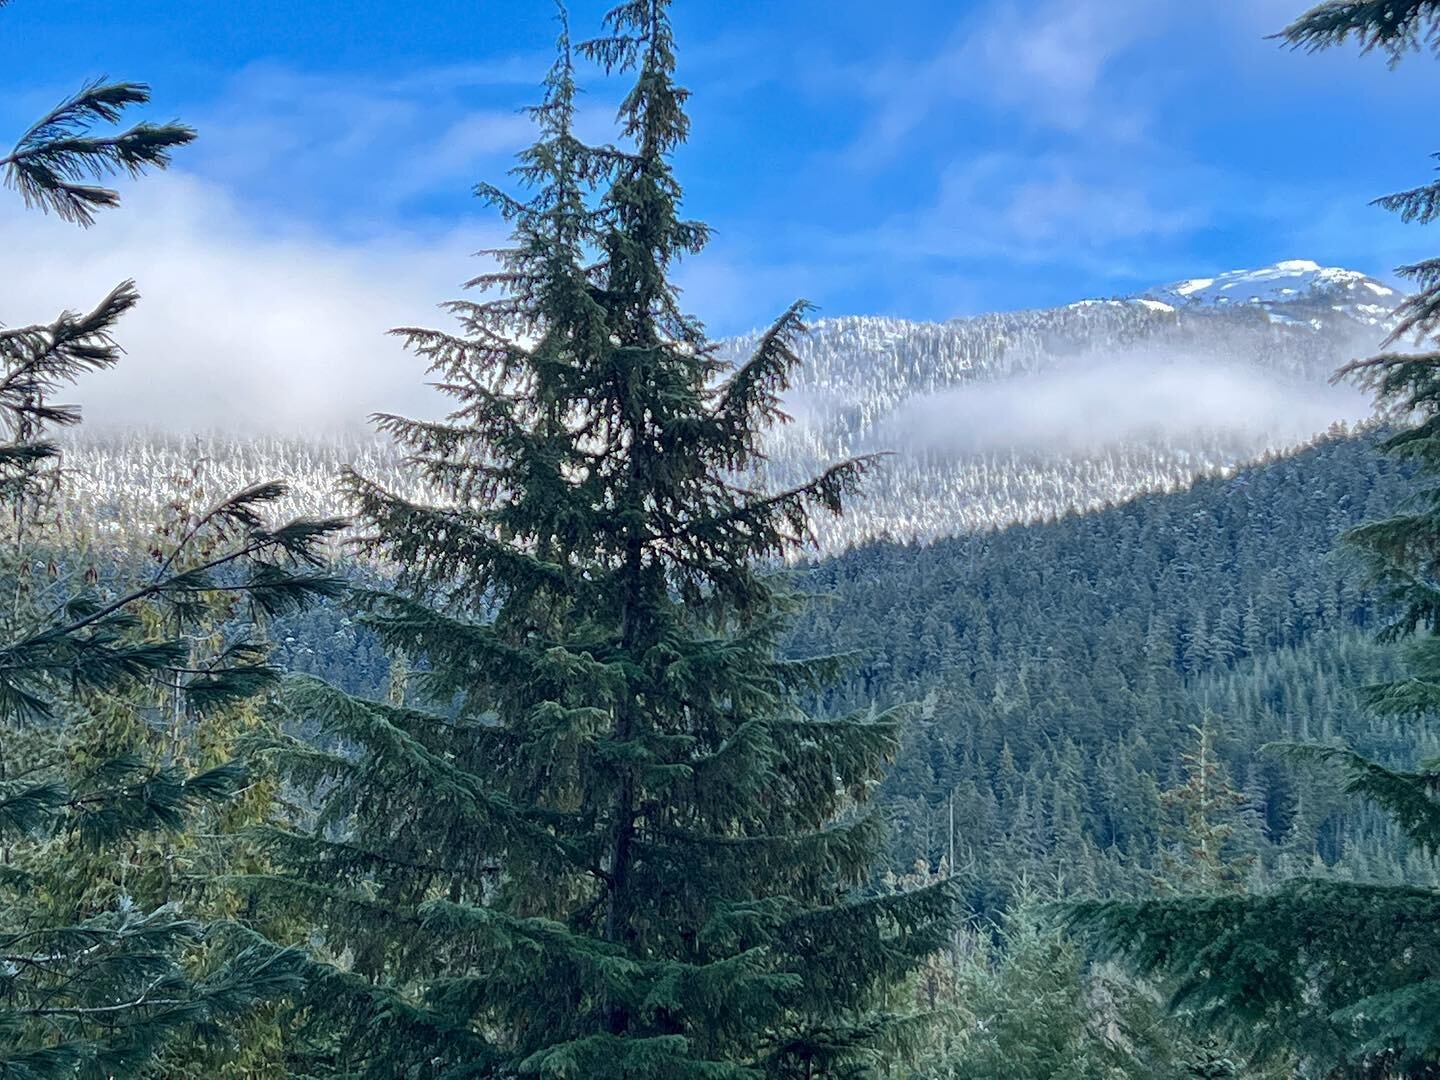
(987, 422)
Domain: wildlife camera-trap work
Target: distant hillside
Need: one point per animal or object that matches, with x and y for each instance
(990, 421)
(1060, 668)
(1020, 416)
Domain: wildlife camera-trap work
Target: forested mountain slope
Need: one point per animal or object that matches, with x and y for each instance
(1062, 668)
(1020, 416)
(992, 420)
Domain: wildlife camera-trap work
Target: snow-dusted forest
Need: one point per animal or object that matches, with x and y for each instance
(984, 422)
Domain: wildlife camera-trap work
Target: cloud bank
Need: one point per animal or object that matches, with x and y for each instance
(280, 330)
(240, 326)
(1107, 400)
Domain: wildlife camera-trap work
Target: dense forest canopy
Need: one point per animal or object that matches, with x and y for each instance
(1061, 668)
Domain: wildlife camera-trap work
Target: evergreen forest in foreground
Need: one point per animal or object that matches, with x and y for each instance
(571, 766)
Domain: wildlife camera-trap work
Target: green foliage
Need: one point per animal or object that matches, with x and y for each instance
(50, 164)
(1030, 1017)
(1343, 973)
(1020, 1001)
(1063, 667)
(108, 992)
(1057, 699)
(1202, 851)
(105, 677)
(117, 693)
(593, 831)
(1394, 26)
(1319, 968)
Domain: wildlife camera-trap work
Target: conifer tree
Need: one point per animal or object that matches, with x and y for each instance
(1019, 1002)
(599, 835)
(1347, 973)
(93, 981)
(1203, 853)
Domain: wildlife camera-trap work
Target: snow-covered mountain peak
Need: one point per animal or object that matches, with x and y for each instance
(1293, 283)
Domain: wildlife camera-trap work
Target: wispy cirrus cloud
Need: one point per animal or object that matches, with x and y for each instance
(341, 147)
(1036, 207)
(1025, 135)
(1049, 67)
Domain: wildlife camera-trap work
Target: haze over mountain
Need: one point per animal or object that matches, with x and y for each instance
(989, 420)
(1019, 416)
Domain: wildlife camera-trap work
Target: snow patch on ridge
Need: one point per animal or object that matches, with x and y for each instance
(1289, 283)
(1141, 301)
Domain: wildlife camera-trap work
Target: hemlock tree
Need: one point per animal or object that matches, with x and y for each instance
(1347, 973)
(599, 835)
(93, 981)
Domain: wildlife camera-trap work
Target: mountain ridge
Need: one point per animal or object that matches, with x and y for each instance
(992, 419)
(1286, 284)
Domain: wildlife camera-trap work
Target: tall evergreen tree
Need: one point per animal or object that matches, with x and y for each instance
(1202, 851)
(94, 980)
(599, 835)
(1348, 973)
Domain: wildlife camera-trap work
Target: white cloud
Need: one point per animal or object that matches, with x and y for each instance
(1057, 208)
(242, 324)
(1049, 64)
(1045, 66)
(1034, 205)
(1106, 400)
(269, 309)
(451, 159)
(1034, 128)
(272, 263)
(354, 149)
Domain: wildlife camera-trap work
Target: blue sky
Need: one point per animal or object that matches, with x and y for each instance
(917, 158)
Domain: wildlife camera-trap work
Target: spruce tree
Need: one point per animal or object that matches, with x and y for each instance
(1346, 973)
(598, 835)
(94, 980)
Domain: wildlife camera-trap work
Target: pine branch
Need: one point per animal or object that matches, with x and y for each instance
(1278, 969)
(1393, 26)
(89, 643)
(1419, 314)
(298, 544)
(41, 359)
(749, 399)
(240, 510)
(1409, 798)
(24, 808)
(50, 163)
